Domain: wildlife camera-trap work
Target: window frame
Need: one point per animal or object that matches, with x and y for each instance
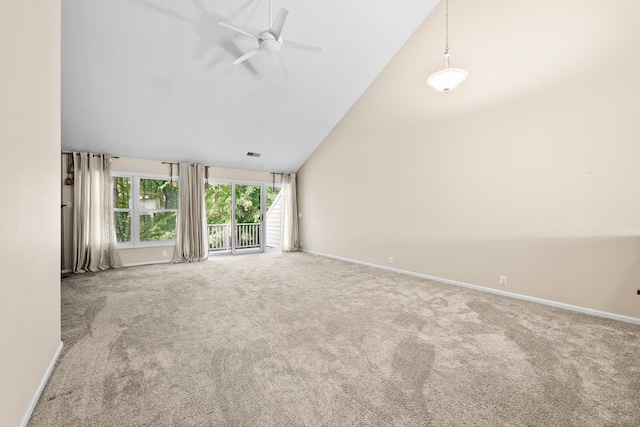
(135, 209)
(128, 210)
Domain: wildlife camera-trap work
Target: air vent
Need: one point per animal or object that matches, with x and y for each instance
(250, 154)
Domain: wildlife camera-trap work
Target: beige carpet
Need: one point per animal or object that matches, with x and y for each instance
(301, 340)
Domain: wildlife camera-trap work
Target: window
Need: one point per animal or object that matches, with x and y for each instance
(145, 209)
(158, 209)
(122, 207)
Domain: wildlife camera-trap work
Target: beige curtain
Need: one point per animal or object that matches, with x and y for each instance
(94, 234)
(290, 240)
(191, 234)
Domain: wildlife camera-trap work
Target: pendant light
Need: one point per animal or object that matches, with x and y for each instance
(447, 78)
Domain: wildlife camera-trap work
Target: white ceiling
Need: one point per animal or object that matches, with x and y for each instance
(154, 79)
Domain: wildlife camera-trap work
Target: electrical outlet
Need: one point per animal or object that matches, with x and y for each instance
(503, 280)
(164, 253)
(390, 260)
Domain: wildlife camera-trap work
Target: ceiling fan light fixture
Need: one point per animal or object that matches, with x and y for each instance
(269, 43)
(447, 78)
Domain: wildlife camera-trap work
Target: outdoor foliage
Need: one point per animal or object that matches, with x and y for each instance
(156, 196)
(218, 203)
(121, 196)
(158, 204)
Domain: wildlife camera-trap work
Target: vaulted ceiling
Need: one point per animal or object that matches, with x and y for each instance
(154, 79)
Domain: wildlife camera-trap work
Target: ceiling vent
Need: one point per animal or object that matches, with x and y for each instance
(250, 154)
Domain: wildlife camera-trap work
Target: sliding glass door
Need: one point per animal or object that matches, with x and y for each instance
(272, 217)
(248, 218)
(242, 217)
(218, 199)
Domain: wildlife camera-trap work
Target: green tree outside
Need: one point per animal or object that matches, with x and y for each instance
(156, 196)
(218, 203)
(218, 206)
(121, 197)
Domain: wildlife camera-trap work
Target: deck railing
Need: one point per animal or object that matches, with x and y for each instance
(247, 236)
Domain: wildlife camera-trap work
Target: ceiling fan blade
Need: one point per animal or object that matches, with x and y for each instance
(280, 60)
(247, 55)
(278, 24)
(300, 46)
(240, 30)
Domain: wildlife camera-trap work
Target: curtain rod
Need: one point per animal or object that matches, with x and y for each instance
(177, 164)
(95, 155)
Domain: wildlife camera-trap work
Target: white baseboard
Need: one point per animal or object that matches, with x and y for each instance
(135, 264)
(579, 309)
(43, 383)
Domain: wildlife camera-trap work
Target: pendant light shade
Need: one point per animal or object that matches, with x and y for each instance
(447, 78)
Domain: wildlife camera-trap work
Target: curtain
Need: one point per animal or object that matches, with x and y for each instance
(290, 240)
(94, 235)
(191, 233)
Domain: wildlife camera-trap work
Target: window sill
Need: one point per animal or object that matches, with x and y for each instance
(142, 245)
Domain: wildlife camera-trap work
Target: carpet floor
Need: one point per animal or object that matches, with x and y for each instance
(293, 339)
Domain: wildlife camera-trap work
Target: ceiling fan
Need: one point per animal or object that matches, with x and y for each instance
(270, 41)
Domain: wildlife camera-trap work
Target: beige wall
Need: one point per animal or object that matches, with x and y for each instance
(29, 160)
(143, 255)
(529, 170)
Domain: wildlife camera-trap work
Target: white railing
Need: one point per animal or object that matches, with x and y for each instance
(247, 236)
(219, 237)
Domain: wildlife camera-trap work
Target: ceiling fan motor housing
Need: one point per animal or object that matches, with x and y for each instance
(269, 43)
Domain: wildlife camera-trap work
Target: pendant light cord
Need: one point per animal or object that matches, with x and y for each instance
(447, 78)
(446, 35)
(446, 29)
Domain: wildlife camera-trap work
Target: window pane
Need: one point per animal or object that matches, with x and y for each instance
(121, 192)
(157, 226)
(272, 193)
(218, 202)
(123, 226)
(247, 204)
(158, 194)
